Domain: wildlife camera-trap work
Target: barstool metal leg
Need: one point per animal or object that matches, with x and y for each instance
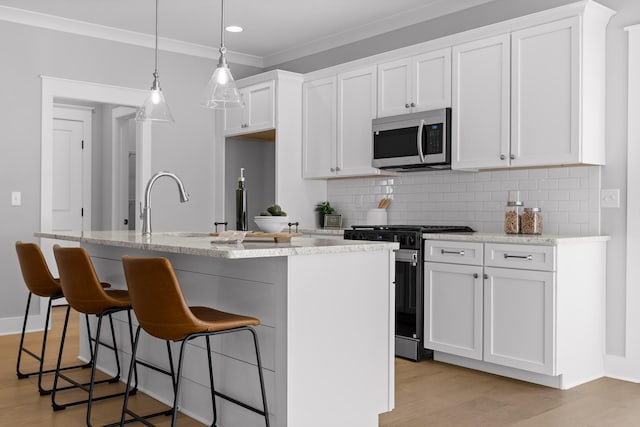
(213, 389)
(176, 396)
(258, 358)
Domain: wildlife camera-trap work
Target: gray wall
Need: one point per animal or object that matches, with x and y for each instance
(613, 175)
(184, 147)
(259, 160)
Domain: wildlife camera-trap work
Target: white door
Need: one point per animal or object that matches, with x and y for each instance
(71, 176)
(124, 169)
(67, 175)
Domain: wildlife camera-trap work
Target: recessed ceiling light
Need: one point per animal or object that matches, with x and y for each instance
(234, 29)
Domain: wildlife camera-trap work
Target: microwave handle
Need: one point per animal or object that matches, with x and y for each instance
(419, 141)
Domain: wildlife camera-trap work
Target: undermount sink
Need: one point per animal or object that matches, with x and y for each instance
(184, 234)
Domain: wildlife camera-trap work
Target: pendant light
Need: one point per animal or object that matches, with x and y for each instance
(221, 91)
(155, 107)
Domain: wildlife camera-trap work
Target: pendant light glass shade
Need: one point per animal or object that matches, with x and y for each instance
(221, 91)
(155, 107)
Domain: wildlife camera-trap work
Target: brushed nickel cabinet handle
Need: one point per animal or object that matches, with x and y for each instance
(461, 253)
(527, 257)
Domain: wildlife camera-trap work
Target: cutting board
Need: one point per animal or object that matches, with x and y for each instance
(277, 237)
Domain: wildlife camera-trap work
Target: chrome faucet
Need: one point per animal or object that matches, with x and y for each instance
(145, 215)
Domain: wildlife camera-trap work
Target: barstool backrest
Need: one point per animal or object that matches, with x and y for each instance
(157, 299)
(79, 281)
(35, 272)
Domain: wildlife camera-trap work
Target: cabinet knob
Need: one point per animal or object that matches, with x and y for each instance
(502, 157)
(332, 169)
(337, 168)
(475, 275)
(485, 276)
(413, 104)
(512, 156)
(406, 105)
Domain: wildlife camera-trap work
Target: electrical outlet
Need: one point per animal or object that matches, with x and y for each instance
(610, 198)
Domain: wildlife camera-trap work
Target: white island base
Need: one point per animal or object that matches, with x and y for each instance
(326, 335)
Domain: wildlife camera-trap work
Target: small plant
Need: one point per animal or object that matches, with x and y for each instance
(324, 208)
(273, 210)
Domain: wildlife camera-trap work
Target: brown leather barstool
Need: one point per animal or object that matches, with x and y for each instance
(82, 289)
(39, 281)
(162, 312)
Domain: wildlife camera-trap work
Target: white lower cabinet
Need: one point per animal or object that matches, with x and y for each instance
(453, 309)
(528, 311)
(519, 319)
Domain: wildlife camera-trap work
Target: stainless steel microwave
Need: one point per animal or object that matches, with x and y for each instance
(412, 142)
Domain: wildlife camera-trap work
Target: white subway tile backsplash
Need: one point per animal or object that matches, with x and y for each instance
(569, 197)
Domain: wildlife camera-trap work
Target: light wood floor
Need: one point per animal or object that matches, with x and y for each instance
(427, 394)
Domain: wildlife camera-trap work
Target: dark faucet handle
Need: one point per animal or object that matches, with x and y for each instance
(216, 224)
(293, 223)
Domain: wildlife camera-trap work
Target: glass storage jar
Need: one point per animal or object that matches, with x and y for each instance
(531, 221)
(512, 214)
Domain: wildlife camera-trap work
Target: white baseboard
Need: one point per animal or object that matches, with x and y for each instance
(13, 325)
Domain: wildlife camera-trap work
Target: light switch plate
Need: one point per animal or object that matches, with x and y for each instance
(610, 198)
(16, 198)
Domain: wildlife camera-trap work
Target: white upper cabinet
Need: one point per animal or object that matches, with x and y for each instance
(258, 113)
(418, 83)
(336, 130)
(356, 110)
(480, 104)
(545, 94)
(532, 97)
(319, 132)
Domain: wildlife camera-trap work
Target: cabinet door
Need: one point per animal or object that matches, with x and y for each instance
(234, 118)
(432, 80)
(545, 94)
(260, 106)
(394, 88)
(319, 128)
(480, 103)
(356, 110)
(453, 309)
(519, 319)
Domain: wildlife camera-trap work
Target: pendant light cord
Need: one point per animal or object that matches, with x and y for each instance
(222, 29)
(156, 70)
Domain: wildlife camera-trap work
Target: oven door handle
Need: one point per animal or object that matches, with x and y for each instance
(419, 141)
(405, 255)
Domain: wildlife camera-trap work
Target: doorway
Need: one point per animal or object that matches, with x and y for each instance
(55, 90)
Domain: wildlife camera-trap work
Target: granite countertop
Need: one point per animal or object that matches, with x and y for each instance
(542, 239)
(201, 243)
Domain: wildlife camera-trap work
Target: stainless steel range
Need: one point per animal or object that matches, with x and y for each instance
(409, 278)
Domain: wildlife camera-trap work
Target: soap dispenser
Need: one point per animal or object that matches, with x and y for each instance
(241, 204)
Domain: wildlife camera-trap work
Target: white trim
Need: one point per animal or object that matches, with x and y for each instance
(86, 91)
(72, 26)
(629, 366)
(431, 10)
(35, 322)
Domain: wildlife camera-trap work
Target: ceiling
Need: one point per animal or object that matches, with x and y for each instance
(275, 31)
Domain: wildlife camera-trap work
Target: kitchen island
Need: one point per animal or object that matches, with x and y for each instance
(326, 336)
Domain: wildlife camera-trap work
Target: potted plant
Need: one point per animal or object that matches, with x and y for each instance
(323, 208)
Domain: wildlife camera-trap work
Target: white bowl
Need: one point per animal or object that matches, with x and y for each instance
(271, 224)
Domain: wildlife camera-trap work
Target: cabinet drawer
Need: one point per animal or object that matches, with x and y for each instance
(453, 252)
(528, 257)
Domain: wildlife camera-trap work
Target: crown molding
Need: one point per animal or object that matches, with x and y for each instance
(56, 23)
(431, 10)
